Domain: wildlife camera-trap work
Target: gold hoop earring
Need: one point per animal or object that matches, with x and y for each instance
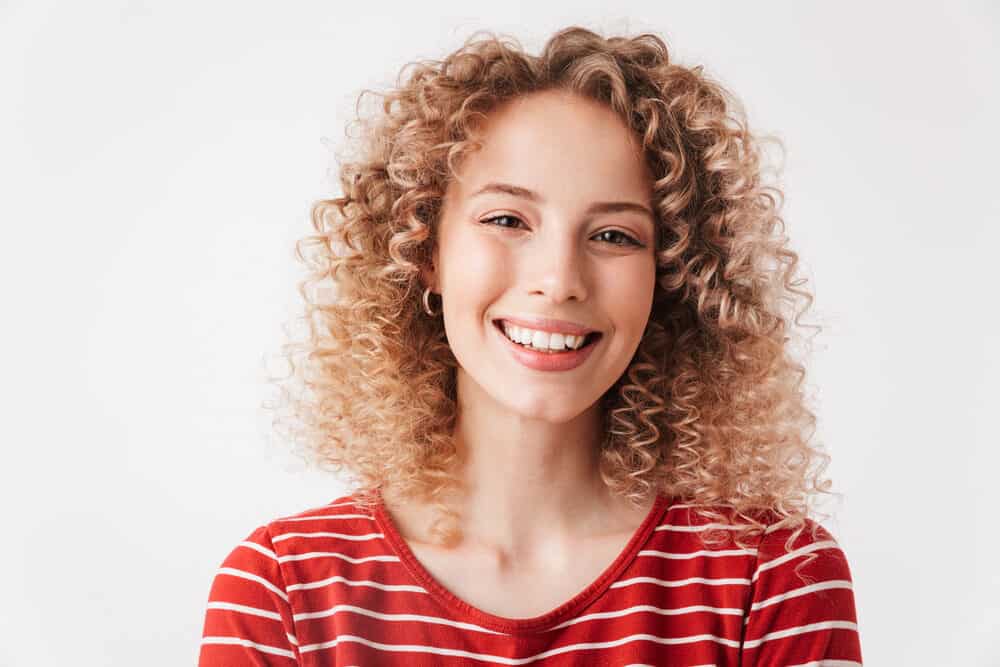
(427, 305)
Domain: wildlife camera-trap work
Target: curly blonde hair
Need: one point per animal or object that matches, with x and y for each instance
(711, 409)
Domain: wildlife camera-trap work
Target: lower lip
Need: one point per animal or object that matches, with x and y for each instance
(542, 361)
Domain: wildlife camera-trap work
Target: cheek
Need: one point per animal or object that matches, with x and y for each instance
(475, 268)
(628, 289)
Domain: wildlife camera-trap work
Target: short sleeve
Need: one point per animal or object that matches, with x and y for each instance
(801, 620)
(248, 620)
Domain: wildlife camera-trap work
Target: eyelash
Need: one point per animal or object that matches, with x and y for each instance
(630, 240)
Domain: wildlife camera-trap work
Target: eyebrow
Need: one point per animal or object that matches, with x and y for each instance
(593, 209)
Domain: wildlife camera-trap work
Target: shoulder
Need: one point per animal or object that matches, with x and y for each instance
(289, 553)
(335, 532)
(808, 552)
(307, 536)
(802, 605)
(775, 560)
(344, 516)
(251, 607)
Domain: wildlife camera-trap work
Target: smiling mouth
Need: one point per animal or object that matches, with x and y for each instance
(588, 340)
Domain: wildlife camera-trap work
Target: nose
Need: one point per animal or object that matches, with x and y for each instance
(557, 266)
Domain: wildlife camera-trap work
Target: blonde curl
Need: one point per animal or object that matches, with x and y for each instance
(711, 410)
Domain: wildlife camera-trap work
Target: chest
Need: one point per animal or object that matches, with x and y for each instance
(520, 592)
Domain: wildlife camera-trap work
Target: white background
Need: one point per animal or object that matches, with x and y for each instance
(157, 163)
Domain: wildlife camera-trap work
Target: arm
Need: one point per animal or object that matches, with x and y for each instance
(792, 621)
(248, 620)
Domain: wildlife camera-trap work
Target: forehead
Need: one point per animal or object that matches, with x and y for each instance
(559, 144)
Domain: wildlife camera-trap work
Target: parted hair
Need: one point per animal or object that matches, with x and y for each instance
(711, 410)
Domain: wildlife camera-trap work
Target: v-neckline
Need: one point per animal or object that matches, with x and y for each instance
(468, 612)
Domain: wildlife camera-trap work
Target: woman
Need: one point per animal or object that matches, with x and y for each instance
(557, 368)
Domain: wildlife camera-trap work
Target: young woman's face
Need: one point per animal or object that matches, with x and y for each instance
(551, 218)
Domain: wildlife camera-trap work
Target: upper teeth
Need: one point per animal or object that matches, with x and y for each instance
(542, 340)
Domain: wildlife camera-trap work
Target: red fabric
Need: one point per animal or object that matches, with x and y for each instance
(338, 586)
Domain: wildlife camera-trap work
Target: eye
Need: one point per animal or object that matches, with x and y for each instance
(500, 217)
(628, 240)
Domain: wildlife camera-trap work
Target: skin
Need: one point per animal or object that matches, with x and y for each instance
(530, 438)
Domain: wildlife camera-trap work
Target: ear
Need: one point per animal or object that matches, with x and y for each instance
(428, 278)
(428, 271)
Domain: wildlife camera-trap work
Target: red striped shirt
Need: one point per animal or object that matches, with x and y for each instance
(337, 585)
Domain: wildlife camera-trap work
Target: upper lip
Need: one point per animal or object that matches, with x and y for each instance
(548, 324)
